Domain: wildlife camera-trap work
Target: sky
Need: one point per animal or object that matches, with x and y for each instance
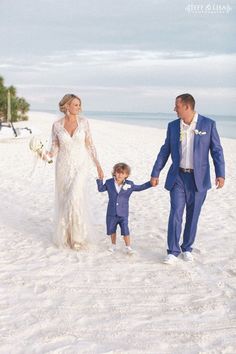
(126, 55)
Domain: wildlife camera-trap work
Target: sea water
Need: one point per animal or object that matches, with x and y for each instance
(226, 125)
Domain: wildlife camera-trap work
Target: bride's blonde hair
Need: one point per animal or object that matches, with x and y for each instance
(66, 99)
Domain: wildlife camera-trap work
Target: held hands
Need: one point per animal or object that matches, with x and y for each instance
(220, 181)
(154, 181)
(100, 172)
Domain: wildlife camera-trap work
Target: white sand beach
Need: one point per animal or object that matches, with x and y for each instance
(54, 301)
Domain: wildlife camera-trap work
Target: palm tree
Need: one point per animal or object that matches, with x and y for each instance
(19, 106)
(23, 108)
(3, 99)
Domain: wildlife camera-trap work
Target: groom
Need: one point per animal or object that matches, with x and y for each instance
(189, 141)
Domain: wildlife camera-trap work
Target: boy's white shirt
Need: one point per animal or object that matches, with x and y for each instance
(118, 187)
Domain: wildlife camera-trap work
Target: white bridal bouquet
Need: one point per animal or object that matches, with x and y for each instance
(38, 148)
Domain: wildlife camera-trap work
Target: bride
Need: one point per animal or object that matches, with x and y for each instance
(72, 143)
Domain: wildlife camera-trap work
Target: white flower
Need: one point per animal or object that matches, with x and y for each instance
(35, 144)
(126, 186)
(199, 132)
(38, 148)
(182, 135)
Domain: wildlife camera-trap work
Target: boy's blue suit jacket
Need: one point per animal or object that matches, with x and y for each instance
(118, 204)
(203, 144)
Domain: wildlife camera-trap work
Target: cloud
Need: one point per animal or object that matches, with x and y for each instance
(46, 26)
(125, 68)
(132, 49)
(134, 80)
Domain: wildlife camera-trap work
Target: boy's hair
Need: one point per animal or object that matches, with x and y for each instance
(121, 166)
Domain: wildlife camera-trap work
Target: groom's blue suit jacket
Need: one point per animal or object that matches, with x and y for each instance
(203, 144)
(118, 204)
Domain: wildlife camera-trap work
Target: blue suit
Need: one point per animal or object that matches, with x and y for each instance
(118, 204)
(188, 189)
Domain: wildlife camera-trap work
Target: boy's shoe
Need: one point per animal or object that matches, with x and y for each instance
(187, 256)
(129, 250)
(112, 249)
(170, 259)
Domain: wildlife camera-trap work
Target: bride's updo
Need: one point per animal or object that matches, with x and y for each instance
(65, 100)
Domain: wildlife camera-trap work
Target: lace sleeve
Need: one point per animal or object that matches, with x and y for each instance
(89, 144)
(55, 143)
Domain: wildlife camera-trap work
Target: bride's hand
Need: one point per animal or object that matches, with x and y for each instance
(100, 172)
(46, 156)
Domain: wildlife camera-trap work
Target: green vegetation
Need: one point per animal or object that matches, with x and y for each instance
(19, 106)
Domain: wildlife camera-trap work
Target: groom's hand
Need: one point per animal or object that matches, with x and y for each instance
(220, 181)
(154, 181)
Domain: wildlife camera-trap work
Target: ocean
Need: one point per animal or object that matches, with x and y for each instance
(226, 125)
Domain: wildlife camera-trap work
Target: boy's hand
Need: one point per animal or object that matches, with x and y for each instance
(154, 181)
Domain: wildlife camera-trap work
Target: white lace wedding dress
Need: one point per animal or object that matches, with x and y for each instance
(72, 165)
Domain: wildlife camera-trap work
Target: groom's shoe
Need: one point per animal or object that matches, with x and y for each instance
(187, 256)
(170, 259)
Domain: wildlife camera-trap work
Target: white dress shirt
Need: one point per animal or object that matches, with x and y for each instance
(187, 140)
(118, 187)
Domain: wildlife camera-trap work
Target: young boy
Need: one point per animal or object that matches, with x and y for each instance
(119, 190)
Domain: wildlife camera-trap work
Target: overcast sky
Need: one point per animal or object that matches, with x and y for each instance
(126, 55)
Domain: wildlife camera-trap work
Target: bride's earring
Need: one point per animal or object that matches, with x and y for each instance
(68, 112)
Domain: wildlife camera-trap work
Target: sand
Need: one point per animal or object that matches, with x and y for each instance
(62, 301)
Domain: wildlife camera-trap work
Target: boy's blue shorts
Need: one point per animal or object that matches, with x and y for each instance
(113, 221)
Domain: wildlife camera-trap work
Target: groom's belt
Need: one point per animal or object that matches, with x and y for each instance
(186, 170)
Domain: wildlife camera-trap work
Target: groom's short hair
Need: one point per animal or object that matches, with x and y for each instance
(121, 166)
(187, 99)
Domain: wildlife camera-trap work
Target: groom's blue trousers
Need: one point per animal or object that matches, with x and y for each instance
(184, 194)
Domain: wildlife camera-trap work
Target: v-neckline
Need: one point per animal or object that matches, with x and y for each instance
(63, 126)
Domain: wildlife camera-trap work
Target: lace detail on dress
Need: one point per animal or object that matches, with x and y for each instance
(89, 143)
(72, 165)
(55, 143)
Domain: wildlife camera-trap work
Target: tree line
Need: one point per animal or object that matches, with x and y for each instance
(19, 106)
